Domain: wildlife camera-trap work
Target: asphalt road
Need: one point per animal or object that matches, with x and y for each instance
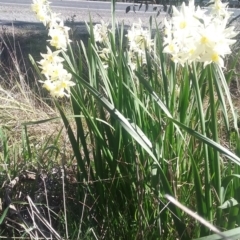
(19, 12)
(78, 4)
(91, 6)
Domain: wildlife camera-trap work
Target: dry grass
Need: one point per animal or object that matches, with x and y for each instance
(23, 101)
(21, 97)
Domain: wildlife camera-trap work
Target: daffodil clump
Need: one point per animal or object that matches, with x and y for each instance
(193, 35)
(58, 80)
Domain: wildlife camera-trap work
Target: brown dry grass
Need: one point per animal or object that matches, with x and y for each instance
(22, 99)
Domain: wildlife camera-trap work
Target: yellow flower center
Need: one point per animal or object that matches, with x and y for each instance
(58, 88)
(63, 84)
(191, 51)
(183, 24)
(50, 58)
(55, 41)
(171, 47)
(215, 57)
(204, 40)
(218, 6)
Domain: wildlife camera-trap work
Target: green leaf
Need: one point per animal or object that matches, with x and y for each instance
(233, 234)
(40, 121)
(228, 179)
(217, 71)
(73, 141)
(132, 130)
(229, 203)
(225, 183)
(3, 215)
(208, 141)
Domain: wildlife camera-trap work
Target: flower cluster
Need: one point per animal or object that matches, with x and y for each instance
(58, 80)
(139, 41)
(194, 35)
(100, 32)
(41, 8)
(219, 9)
(57, 31)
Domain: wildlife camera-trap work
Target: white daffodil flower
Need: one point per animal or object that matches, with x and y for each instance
(58, 88)
(56, 72)
(61, 88)
(50, 57)
(41, 8)
(100, 32)
(210, 57)
(48, 84)
(65, 84)
(38, 5)
(59, 39)
(219, 9)
(139, 40)
(54, 20)
(58, 91)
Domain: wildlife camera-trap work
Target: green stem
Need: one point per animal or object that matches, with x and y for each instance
(205, 147)
(214, 130)
(113, 3)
